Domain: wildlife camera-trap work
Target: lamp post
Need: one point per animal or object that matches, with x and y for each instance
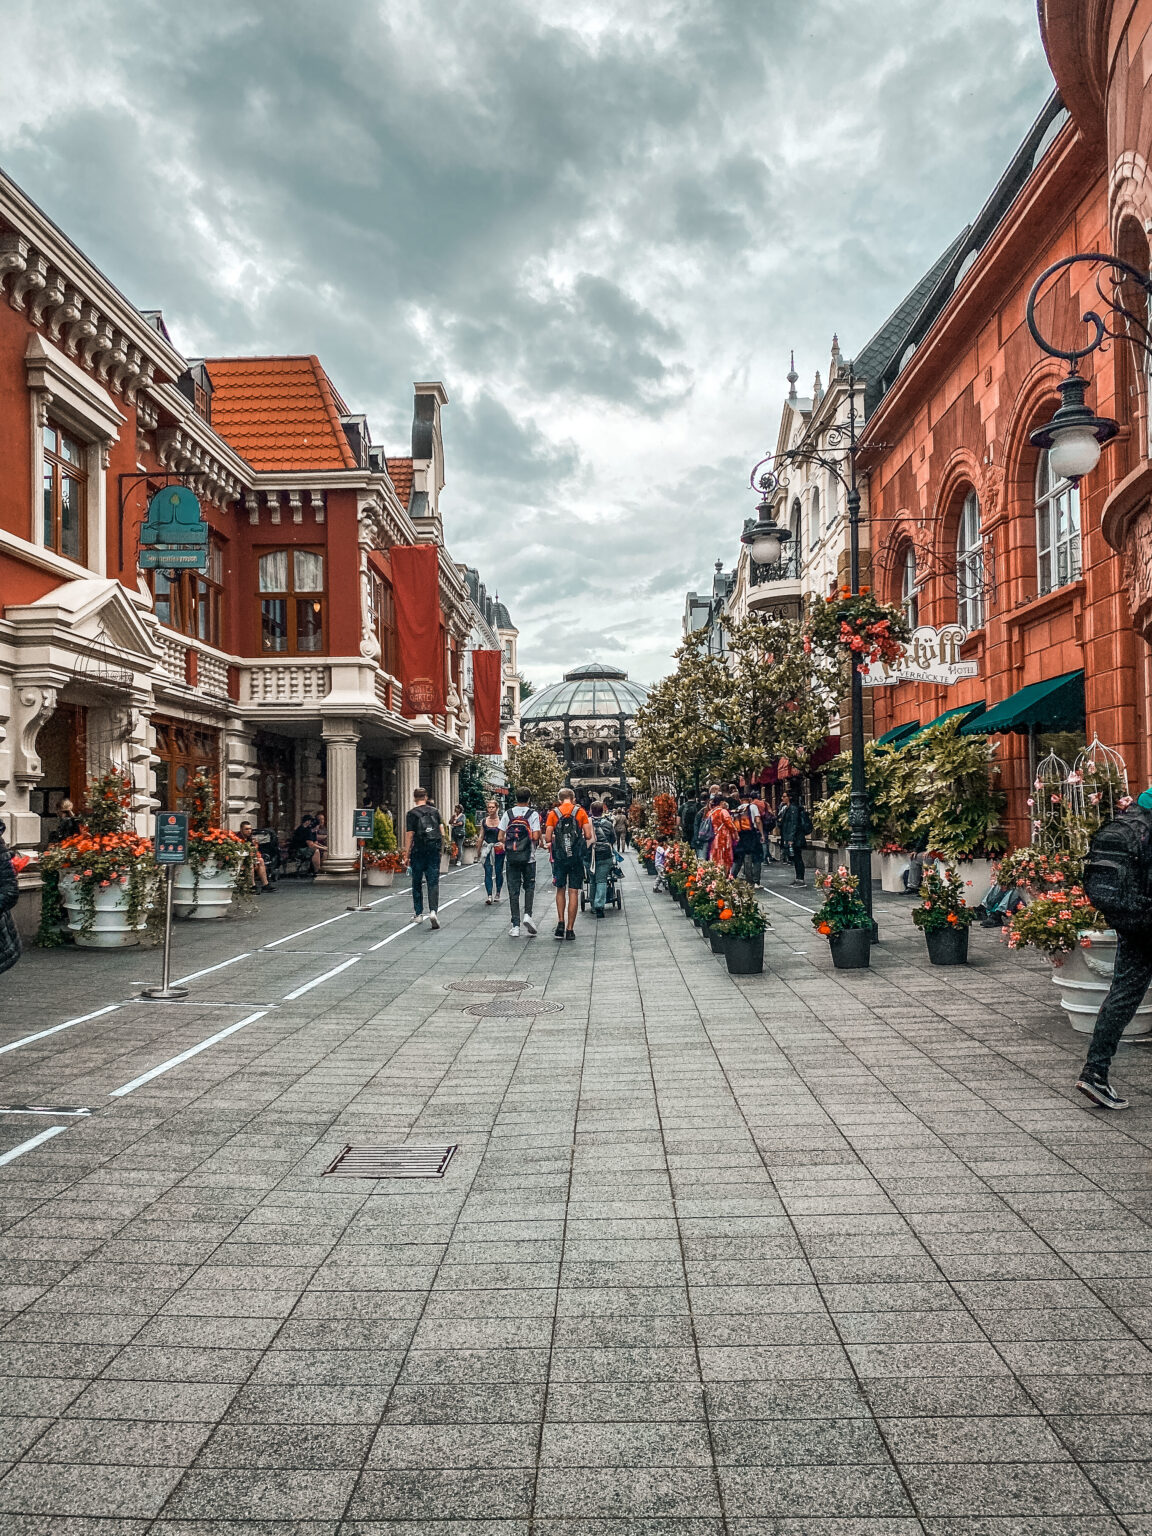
(841, 437)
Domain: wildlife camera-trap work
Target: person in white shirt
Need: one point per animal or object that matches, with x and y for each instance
(519, 835)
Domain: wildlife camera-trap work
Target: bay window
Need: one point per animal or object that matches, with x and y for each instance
(291, 585)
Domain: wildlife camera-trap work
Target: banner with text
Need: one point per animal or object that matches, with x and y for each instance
(486, 686)
(416, 595)
(931, 656)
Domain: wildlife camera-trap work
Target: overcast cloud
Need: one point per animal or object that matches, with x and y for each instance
(602, 224)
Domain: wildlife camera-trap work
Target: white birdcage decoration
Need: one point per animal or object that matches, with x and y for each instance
(1054, 816)
(1097, 784)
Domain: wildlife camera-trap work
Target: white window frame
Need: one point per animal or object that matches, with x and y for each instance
(814, 518)
(909, 590)
(970, 565)
(1059, 558)
(60, 389)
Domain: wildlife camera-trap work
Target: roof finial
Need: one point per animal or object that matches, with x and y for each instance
(817, 389)
(792, 376)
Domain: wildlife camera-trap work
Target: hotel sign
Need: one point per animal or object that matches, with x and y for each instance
(931, 656)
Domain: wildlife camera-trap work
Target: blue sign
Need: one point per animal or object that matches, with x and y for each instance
(174, 517)
(171, 837)
(174, 557)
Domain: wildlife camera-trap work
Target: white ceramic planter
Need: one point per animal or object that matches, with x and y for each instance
(468, 854)
(979, 872)
(892, 867)
(1083, 981)
(445, 861)
(378, 877)
(110, 928)
(211, 898)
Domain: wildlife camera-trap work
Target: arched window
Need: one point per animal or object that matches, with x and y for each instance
(970, 565)
(909, 596)
(1057, 529)
(292, 601)
(814, 518)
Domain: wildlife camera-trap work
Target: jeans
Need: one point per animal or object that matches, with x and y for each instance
(1130, 980)
(426, 866)
(748, 860)
(598, 884)
(493, 872)
(521, 877)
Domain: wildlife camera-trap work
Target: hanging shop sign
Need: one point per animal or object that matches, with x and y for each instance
(174, 535)
(931, 656)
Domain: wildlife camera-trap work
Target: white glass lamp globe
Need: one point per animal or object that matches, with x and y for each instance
(765, 547)
(1075, 452)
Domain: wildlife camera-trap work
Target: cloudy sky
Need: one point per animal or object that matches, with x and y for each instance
(602, 224)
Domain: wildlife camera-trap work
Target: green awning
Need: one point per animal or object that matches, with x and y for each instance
(898, 735)
(1056, 704)
(960, 713)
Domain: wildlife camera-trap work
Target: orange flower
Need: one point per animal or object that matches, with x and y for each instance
(951, 917)
(725, 914)
(825, 928)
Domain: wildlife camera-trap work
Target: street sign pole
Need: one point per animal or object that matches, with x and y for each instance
(361, 828)
(171, 849)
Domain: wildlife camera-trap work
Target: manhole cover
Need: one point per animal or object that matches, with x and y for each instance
(484, 986)
(391, 1162)
(513, 1008)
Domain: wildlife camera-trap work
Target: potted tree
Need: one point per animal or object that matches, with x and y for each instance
(107, 874)
(471, 833)
(219, 865)
(892, 808)
(960, 805)
(381, 860)
(741, 922)
(943, 915)
(843, 920)
(1064, 926)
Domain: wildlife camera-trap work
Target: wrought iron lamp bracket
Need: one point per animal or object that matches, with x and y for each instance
(1122, 322)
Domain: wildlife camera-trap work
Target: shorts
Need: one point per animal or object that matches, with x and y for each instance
(570, 875)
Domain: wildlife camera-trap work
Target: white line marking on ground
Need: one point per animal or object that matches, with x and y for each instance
(288, 937)
(208, 969)
(791, 903)
(409, 927)
(56, 1028)
(26, 1146)
(326, 976)
(166, 1066)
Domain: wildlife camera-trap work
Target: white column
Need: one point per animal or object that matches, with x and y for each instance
(442, 784)
(407, 778)
(454, 784)
(340, 740)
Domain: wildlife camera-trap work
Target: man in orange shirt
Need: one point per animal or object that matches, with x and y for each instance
(568, 833)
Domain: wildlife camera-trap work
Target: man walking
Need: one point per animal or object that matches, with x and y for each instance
(792, 833)
(603, 856)
(748, 857)
(423, 845)
(519, 834)
(568, 832)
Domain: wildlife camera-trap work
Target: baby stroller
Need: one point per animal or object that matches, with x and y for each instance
(613, 896)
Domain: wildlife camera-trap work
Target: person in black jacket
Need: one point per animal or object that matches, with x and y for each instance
(791, 825)
(10, 949)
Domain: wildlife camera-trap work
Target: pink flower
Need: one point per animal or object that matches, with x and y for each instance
(1030, 802)
(1085, 942)
(1055, 799)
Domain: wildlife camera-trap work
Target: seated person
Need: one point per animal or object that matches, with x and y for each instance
(304, 842)
(259, 868)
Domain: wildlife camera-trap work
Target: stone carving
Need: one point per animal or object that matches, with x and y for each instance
(38, 706)
(1138, 569)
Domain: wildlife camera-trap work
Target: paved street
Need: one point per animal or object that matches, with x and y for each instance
(796, 1254)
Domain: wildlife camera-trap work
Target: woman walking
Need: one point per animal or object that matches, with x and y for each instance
(723, 846)
(9, 892)
(492, 857)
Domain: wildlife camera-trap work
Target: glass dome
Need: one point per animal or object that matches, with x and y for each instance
(591, 692)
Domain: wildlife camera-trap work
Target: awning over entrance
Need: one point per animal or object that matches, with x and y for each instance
(961, 713)
(898, 735)
(1056, 704)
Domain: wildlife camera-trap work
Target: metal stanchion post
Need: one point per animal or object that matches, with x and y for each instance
(165, 992)
(360, 907)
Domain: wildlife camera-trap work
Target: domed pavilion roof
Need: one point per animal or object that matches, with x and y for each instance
(590, 692)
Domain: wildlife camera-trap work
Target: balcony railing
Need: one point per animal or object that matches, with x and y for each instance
(787, 568)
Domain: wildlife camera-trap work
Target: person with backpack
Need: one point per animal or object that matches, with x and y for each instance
(1118, 883)
(519, 834)
(603, 856)
(794, 824)
(748, 856)
(568, 832)
(423, 845)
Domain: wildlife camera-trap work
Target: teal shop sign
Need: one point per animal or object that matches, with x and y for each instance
(174, 536)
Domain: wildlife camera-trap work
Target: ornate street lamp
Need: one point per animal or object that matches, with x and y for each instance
(765, 538)
(771, 475)
(1074, 436)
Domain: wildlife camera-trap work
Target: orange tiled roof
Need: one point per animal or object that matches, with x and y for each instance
(279, 412)
(400, 474)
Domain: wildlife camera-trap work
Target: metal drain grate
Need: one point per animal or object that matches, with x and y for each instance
(513, 1008)
(484, 986)
(391, 1162)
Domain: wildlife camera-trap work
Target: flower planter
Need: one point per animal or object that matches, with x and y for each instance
(210, 898)
(1083, 981)
(976, 871)
(851, 949)
(649, 866)
(892, 867)
(378, 877)
(445, 862)
(110, 928)
(744, 956)
(468, 854)
(715, 940)
(948, 946)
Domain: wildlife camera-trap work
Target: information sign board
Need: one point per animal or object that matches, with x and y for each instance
(362, 823)
(171, 837)
(174, 557)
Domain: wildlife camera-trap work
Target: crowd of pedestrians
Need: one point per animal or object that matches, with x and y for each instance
(733, 828)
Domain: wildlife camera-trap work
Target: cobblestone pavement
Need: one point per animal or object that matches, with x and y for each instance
(808, 1254)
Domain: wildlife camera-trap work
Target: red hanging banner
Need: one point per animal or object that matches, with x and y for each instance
(486, 683)
(416, 596)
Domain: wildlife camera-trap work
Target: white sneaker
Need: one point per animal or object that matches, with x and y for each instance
(487, 901)
(433, 920)
(513, 932)
(529, 924)
(418, 917)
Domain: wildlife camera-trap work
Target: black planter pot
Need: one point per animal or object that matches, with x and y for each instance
(851, 949)
(715, 940)
(745, 957)
(948, 946)
(649, 867)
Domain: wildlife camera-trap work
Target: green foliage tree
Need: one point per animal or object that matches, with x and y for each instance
(527, 686)
(955, 783)
(536, 768)
(679, 729)
(474, 786)
(893, 805)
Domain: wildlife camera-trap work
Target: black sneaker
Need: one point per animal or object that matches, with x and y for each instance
(1100, 1091)
(570, 933)
(559, 931)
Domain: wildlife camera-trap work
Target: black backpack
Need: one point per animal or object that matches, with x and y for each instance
(1116, 871)
(567, 838)
(428, 836)
(518, 836)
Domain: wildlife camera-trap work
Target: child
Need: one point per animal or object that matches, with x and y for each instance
(660, 859)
